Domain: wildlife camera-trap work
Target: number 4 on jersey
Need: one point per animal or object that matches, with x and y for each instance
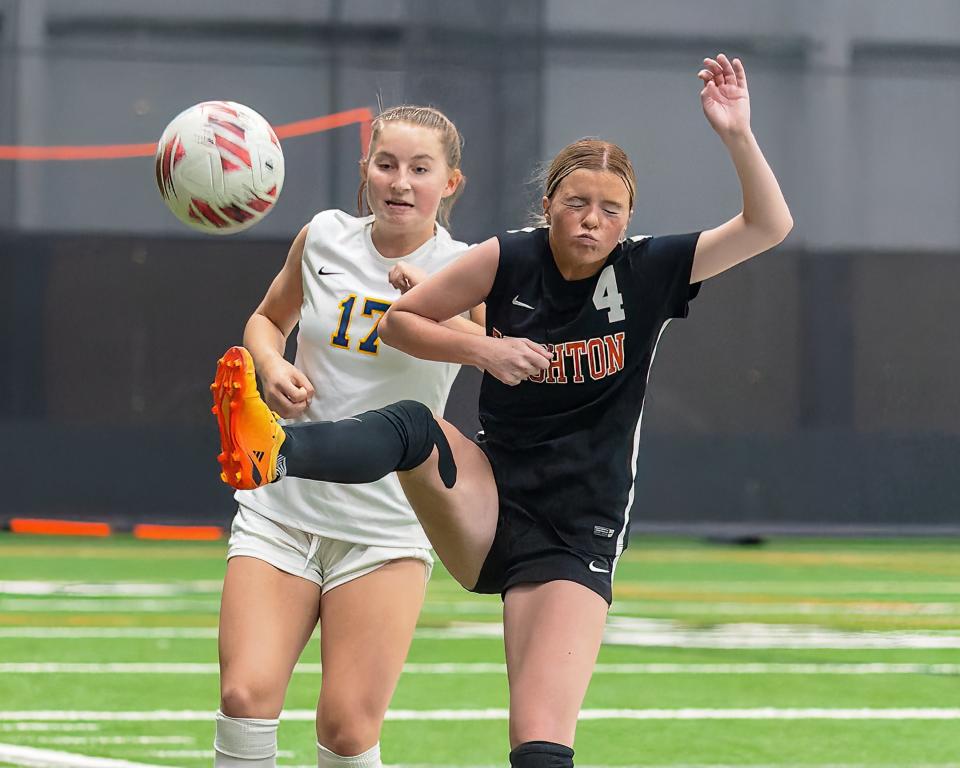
(607, 296)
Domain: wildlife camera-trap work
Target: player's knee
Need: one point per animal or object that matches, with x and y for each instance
(245, 699)
(348, 727)
(348, 738)
(541, 754)
(421, 433)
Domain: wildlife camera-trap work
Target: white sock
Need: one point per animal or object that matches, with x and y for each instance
(368, 759)
(245, 742)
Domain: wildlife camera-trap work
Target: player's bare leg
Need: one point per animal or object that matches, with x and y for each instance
(266, 619)
(460, 521)
(552, 634)
(366, 627)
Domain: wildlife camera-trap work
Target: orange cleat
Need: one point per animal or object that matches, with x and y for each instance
(250, 436)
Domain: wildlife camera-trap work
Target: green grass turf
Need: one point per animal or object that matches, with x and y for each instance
(848, 585)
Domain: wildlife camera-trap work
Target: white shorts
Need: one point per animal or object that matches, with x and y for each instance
(328, 563)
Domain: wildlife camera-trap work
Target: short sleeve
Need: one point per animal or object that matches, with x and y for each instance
(515, 245)
(667, 263)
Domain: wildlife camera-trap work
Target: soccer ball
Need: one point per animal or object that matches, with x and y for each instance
(219, 167)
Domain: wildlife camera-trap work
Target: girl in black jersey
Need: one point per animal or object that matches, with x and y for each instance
(539, 510)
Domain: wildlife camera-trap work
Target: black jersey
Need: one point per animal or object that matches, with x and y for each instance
(563, 444)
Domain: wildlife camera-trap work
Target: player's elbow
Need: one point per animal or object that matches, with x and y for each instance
(393, 329)
(785, 227)
(775, 231)
(386, 328)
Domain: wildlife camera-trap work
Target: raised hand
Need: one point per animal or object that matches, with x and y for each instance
(514, 360)
(725, 99)
(285, 389)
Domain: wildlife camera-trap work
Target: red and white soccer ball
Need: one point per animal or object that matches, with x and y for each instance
(219, 167)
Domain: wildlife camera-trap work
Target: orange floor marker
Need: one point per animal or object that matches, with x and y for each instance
(58, 527)
(178, 532)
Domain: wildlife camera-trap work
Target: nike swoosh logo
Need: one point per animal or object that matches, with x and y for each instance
(595, 569)
(324, 274)
(517, 303)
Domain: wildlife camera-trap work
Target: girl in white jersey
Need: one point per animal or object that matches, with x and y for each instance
(352, 557)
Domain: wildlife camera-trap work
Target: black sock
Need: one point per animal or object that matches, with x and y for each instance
(366, 447)
(541, 754)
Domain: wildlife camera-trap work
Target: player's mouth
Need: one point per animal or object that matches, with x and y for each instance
(587, 239)
(398, 205)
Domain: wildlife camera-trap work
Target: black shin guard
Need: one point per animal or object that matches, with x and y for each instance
(368, 446)
(541, 754)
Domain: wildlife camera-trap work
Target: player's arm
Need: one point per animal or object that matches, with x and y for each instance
(765, 219)
(416, 322)
(285, 389)
(405, 276)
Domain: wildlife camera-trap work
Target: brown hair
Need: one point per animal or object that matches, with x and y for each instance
(592, 155)
(425, 117)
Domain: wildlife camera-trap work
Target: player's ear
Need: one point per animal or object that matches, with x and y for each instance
(453, 182)
(363, 169)
(546, 208)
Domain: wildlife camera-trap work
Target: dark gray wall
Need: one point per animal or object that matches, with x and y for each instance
(805, 392)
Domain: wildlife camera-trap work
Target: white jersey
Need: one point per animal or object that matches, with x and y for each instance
(345, 292)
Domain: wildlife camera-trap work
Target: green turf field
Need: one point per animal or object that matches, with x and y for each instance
(795, 653)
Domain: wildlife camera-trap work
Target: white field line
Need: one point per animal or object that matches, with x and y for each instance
(109, 633)
(195, 753)
(58, 727)
(201, 668)
(31, 757)
(780, 609)
(111, 588)
(943, 587)
(756, 713)
(138, 740)
(620, 630)
(112, 605)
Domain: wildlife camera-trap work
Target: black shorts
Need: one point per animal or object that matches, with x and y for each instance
(525, 551)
